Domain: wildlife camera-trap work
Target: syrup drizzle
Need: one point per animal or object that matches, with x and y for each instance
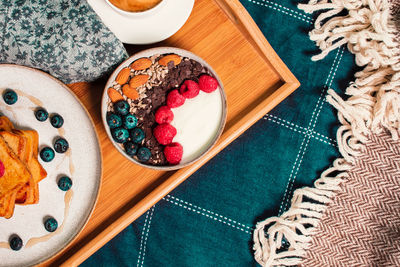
(61, 132)
(33, 99)
(71, 164)
(12, 112)
(5, 245)
(35, 240)
(68, 195)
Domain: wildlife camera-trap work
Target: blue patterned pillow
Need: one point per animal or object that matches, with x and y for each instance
(65, 38)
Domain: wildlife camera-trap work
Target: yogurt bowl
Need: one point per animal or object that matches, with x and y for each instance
(164, 108)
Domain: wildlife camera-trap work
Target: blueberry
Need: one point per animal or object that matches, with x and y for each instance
(114, 120)
(41, 114)
(130, 121)
(47, 154)
(57, 121)
(137, 135)
(61, 145)
(130, 148)
(10, 97)
(16, 242)
(121, 107)
(51, 224)
(64, 183)
(143, 154)
(120, 135)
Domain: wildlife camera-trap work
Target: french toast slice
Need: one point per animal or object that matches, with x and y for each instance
(17, 143)
(19, 154)
(36, 169)
(5, 124)
(16, 174)
(9, 205)
(4, 203)
(22, 148)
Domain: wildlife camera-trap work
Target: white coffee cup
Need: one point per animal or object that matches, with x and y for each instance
(146, 12)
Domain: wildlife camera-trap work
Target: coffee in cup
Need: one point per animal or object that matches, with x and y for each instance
(135, 5)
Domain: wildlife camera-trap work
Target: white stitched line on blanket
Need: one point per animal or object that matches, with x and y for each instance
(142, 238)
(341, 50)
(296, 128)
(287, 122)
(331, 143)
(325, 137)
(309, 21)
(208, 211)
(209, 214)
(288, 9)
(337, 66)
(146, 236)
(287, 126)
(293, 174)
(333, 69)
(300, 127)
(320, 103)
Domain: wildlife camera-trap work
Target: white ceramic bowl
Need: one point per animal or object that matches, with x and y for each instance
(149, 53)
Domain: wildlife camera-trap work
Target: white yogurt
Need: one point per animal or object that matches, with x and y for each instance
(197, 123)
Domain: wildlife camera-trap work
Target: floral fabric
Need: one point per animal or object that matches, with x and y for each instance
(62, 37)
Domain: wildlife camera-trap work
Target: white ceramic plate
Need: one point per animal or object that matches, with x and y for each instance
(151, 27)
(36, 88)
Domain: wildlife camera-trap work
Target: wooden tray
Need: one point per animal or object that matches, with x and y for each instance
(255, 80)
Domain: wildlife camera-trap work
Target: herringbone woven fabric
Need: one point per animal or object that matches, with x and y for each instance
(361, 227)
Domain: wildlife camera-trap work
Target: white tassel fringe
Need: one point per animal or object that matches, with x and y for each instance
(373, 106)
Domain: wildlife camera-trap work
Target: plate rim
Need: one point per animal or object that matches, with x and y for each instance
(90, 213)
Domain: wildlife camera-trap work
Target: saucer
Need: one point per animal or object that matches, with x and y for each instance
(146, 29)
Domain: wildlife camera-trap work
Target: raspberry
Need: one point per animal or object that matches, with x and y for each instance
(189, 89)
(164, 133)
(2, 169)
(175, 99)
(164, 115)
(173, 153)
(207, 83)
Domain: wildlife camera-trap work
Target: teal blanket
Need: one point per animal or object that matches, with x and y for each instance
(209, 219)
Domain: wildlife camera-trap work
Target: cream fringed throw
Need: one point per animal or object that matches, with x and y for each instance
(351, 217)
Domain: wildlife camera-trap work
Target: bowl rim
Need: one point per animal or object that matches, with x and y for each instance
(147, 53)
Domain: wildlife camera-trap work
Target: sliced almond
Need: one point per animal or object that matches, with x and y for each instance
(138, 80)
(141, 64)
(123, 76)
(114, 95)
(168, 58)
(130, 92)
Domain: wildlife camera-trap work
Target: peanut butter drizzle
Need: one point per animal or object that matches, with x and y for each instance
(12, 111)
(71, 164)
(61, 132)
(5, 245)
(33, 99)
(35, 240)
(68, 195)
